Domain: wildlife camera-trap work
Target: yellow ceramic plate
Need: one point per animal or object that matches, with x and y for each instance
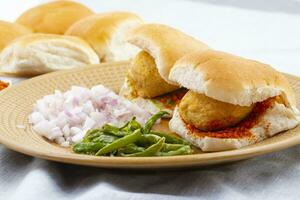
(16, 103)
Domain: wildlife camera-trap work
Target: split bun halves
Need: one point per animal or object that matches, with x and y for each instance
(35, 54)
(262, 100)
(165, 44)
(147, 79)
(161, 46)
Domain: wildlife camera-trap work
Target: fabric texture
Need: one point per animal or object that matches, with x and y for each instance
(264, 30)
(273, 176)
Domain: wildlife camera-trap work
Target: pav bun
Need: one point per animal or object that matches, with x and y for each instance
(35, 54)
(54, 17)
(107, 34)
(147, 76)
(222, 84)
(10, 31)
(230, 78)
(165, 44)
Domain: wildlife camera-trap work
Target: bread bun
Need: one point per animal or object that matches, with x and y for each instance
(40, 53)
(165, 44)
(239, 82)
(230, 78)
(277, 119)
(53, 17)
(107, 34)
(10, 31)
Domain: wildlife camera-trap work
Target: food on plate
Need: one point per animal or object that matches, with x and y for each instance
(10, 31)
(35, 54)
(3, 85)
(66, 117)
(232, 101)
(132, 140)
(107, 34)
(147, 79)
(208, 114)
(53, 17)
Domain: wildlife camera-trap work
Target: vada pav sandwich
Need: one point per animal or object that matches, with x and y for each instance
(147, 82)
(107, 34)
(39, 53)
(232, 101)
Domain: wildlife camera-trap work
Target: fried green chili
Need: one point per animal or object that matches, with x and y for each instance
(132, 140)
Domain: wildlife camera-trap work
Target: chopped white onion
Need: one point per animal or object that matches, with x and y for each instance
(65, 117)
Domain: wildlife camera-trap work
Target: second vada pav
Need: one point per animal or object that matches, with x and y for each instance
(232, 101)
(147, 82)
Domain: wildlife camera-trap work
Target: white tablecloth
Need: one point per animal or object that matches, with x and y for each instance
(265, 30)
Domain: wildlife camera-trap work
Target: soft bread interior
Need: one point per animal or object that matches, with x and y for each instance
(276, 119)
(119, 49)
(31, 55)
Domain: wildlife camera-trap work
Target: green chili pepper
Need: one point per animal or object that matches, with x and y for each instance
(126, 124)
(147, 140)
(171, 147)
(105, 138)
(91, 134)
(181, 151)
(130, 148)
(170, 138)
(131, 126)
(110, 129)
(149, 124)
(88, 147)
(132, 140)
(153, 150)
(121, 142)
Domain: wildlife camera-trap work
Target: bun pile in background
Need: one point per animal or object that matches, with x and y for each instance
(216, 100)
(54, 17)
(64, 35)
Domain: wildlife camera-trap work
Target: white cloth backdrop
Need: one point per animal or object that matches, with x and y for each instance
(265, 30)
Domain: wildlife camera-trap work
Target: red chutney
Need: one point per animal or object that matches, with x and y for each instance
(240, 130)
(171, 99)
(3, 85)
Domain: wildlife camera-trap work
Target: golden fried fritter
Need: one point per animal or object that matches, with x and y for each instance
(208, 114)
(144, 78)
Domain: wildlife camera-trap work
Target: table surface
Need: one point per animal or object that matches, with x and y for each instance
(268, 31)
